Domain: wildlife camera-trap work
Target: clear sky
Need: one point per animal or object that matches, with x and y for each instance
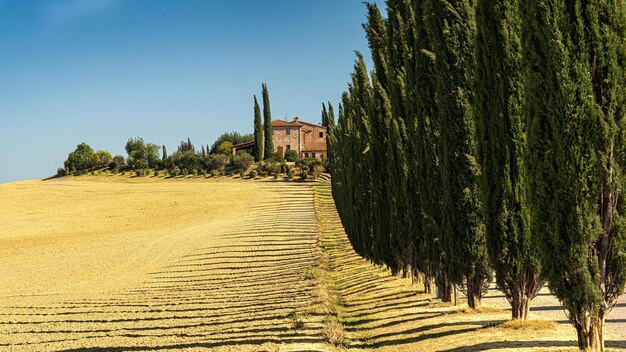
(101, 71)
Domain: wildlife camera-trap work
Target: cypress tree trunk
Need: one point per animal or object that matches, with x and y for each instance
(258, 132)
(268, 148)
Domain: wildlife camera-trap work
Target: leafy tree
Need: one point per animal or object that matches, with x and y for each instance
(82, 158)
(186, 146)
(141, 154)
(225, 148)
(258, 132)
(102, 158)
(117, 162)
(232, 137)
(268, 145)
(575, 60)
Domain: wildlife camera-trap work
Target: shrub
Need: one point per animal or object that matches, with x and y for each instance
(291, 155)
(115, 171)
(123, 173)
(242, 173)
(317, 170)
(185, 172)
(243, 161)
(139, 172)
(204, 173)
(253, 174)
(175, 172)
(60, 171)
(156, 172)
(194, 172)
(263, 173)
(277, 157)
(215, 173)
(292, 173)
(218, 161)
(275, 176)
(303, 175)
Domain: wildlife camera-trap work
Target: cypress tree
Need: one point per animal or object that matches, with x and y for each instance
(258, 132)
(267, 120)
(203, 151)
(324, 116)
(164, 153)
(451, 30)
(575, 60)
(500, 113)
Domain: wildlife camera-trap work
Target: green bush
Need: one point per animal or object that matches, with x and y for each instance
(175, 172)
(156, 172)
(253, 174)
(291, 155)
(194, 172)
(277, 157)
(242, 173)
(204, 173)
(303, 176)
(292, 173)
(263, 173)
(215, 173)
(185, 172)
(243, 161)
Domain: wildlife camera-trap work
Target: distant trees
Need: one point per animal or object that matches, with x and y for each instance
(140, 154)
(268, 145)
(83, 158)
(258, 132)
(225, 148)
(232, 137)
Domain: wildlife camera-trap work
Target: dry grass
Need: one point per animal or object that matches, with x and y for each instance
(88, 263)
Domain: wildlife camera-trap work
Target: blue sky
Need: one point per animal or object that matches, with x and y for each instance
(101, 71)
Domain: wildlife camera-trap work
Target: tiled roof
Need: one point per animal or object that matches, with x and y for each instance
(281, 123)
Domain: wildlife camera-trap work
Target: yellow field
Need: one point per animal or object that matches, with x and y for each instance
(121, 266)
(112, 263)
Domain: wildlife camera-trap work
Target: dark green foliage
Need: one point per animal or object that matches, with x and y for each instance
(268, 145)
(218, 162)
(500, 113)
(141, 154)
(258, 132)
(164, 153)
(291, 155)
(575, 60)
(252, 174)
(243, 161)
(232, 137)
(83, 158)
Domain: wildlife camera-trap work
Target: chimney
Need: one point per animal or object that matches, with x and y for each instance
(295, 119)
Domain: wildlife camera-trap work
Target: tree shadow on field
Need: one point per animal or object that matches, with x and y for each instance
(253, 341)
(500, 345)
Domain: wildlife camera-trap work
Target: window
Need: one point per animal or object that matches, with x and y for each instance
(322, 155)
(313, 155)
(288, 132)
(288, 146)
(306, 155)
(321, 134)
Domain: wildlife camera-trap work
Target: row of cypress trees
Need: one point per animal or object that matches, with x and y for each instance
(264, 145)
(489, 137)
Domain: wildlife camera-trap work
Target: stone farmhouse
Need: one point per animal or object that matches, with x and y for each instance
(308, 139)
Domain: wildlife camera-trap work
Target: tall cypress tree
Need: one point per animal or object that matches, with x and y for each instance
(267, 121)
(164, 153)
(575, 57)
(500, 113)
(258, 132)
(451, 29)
